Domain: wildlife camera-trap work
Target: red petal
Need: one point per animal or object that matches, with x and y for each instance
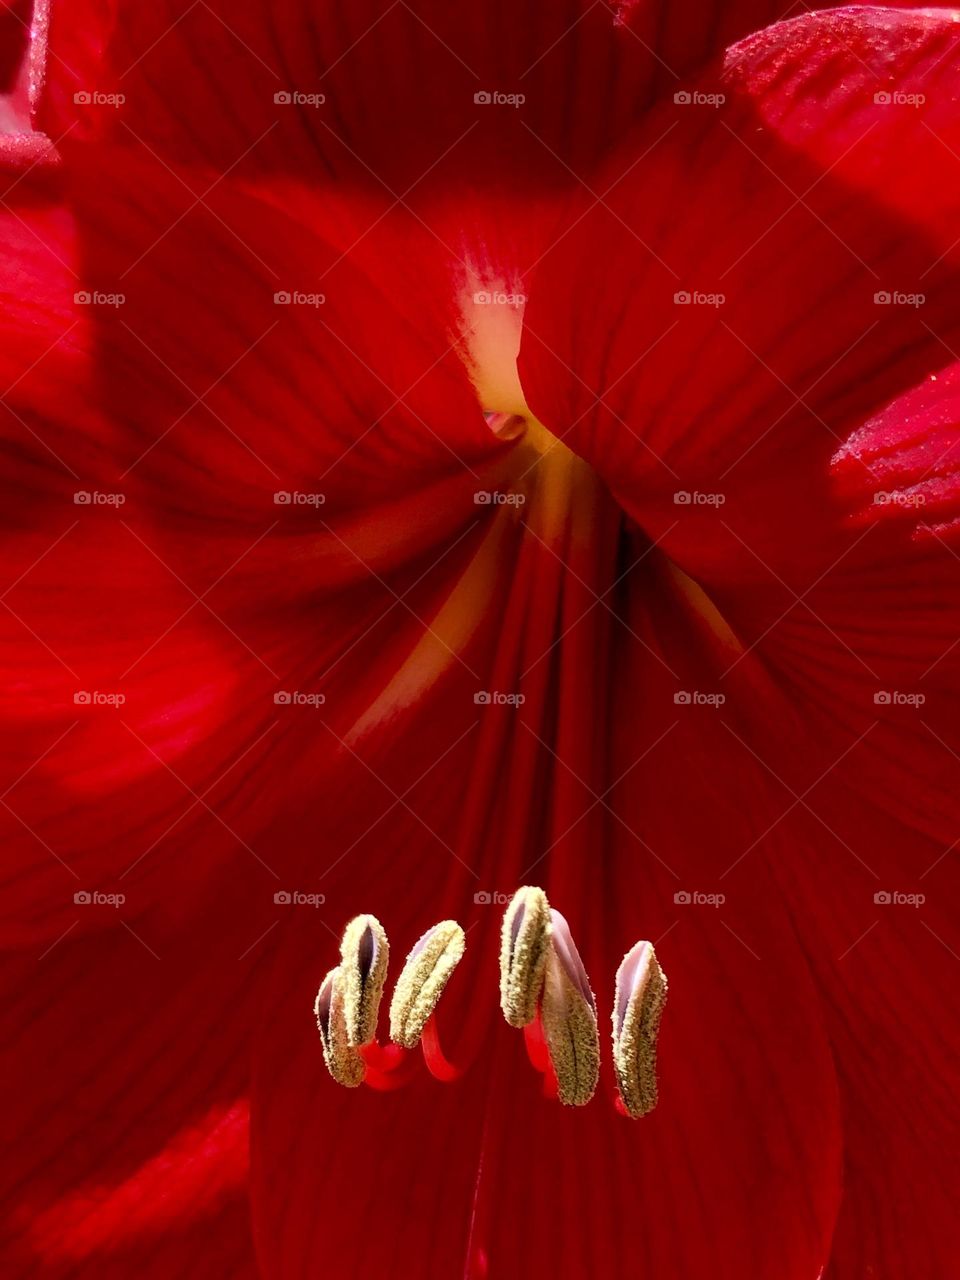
(190, 373)
(743, 396)
(904, 464)
(737, 1169)
(125, 1077)
(397, 83)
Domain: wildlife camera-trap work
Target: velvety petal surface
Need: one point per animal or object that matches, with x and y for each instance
(775, 404)
(189, 460)
(385, 73)
(738, 1167)
(125, 1090)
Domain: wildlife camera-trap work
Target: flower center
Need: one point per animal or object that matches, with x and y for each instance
(544, 990)
(492, 322)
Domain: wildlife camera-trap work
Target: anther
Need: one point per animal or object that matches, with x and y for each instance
(641, 993)
(343, 1062)
(425, 974)
(569, 1014)
(364, 954)
(524, 944)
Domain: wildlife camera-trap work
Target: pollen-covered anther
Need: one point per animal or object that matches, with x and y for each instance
(568, 1011)
(344, 1062)
(641, 993)
(364, 955)
(524, 944)
(425, 974)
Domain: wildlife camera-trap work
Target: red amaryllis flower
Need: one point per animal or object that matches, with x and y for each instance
(450, 450)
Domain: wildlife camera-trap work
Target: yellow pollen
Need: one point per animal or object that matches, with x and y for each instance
(425, 974)
(641, 993)
(364, 955)
(569, 1014)
(343, 1062)
(524, 943)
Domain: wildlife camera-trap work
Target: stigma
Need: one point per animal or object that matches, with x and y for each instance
(545, 991)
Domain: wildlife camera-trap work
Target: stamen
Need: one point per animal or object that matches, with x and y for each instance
(569, 1013)
(385, 1058)
(524, 943)
(438, 1064)
(641, 993)
(536, 1046)
(364, 954)
(539, 1056)
(425, 974)
(343, 1061)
